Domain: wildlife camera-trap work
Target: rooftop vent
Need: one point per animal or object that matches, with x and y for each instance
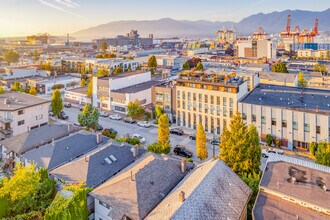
(113, 158)
(107, 160)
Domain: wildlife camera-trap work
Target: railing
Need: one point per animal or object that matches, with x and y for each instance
(6, 119)
(6, 131)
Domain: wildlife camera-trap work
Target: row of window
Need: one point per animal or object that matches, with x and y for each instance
(207, 98)
(163, 97)
(212, 110)
(209, 87)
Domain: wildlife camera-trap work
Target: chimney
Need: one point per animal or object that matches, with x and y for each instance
(136, 150)
(98, 138)
(182, 196)
(317, 108)
(70, 128)
(183, 165)
(324, 188)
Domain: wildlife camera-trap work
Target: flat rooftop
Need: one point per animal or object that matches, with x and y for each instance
(278, 77)
(58, 79)
(80, 90)
(138, 87)
(122, 75)
(293, 98)
(278, 177)
(11, 101)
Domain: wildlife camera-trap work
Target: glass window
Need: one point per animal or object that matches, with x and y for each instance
(188, 95)
(200, 107)
(224, 101)
(273, 121)
(21, 112)
(194, 96)
(206, 98)
(244, 116)
(20, 122)
(218, 110)
(295, 125)
(183, 104)
(178, 94)
(189, 105)
(284, 123)
(167, 97)
(224, 111)
(318, 129)
(306, 127)
(230, 112)
(231, 102)
(212, 99)
(200, 97)
(206, 108)
(183, 95)
(218, 100)
(178, 105)
(254, 118)
(263, 119)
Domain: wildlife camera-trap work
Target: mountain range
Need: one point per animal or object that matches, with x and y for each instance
(273, 22)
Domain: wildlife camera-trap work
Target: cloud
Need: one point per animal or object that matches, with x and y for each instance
(62, 5)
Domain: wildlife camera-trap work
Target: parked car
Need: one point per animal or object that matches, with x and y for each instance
(143, 124)
(115, 117)
(99, 127)
(265, 153)
(111, 130)
(104, 114)
(142, 139)
(67, 105)
(129, 120)
(177, 131)
(192, 136)
(63, 116)
(215, 141)
(182, 151)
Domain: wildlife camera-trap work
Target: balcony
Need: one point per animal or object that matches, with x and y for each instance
(6, 119)
(6, 131)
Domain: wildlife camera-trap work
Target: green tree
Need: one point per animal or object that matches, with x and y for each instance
(16, 86)
(278, 142)
(269, 139)
(90, 88)
(118, 69)
(57, 86)
(301, 80)
(104, 46)
(240, 148)
(56, 103)
(200, 66)
(201, 149)
(323, 153)
(279, 67)
(135, 110)
(82, 82)
(36, 55)
(89, 117)
(33, 90)
(11, 56)
(152, 62)
(2, 90)
(313, 148)
(185, 65)
(102, 72)
(321, 68)
(158, 111)
(70, 207)
(164, 133)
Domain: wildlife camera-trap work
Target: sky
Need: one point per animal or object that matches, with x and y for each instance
(58, 17)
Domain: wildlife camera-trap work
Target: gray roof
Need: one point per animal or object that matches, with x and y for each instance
(294, 98)
(64, 150)
(93, 169)
(278, 77)
(212, 191)
(11, 101)
(141, 186)
(36, 137)
(138, 87)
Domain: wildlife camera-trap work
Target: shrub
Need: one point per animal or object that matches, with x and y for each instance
(269, 140)
(133, 141)
(190, 160)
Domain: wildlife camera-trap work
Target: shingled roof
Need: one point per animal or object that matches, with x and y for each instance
(212, 191)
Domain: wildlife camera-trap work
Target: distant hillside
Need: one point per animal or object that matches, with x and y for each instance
(167, 27)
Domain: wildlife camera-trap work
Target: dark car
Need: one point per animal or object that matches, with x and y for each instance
(111, 130)
(129, 120)
(192, 136)
(63, 116)
(215, 141)
(67, 105)
(177, 131)
(99, 127)
(182, 151)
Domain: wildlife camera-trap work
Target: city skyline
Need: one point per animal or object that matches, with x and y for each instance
(67, 16)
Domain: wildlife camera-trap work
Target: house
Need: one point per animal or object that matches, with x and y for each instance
(77, 95)
(291, 188)
(45, 86)
(139, 188)
(210, 191)
(21, 112)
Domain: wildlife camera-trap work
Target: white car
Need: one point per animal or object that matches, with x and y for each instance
(115, 117)
(142, 139)
(265, 153)
(143, 124)
(104, 114)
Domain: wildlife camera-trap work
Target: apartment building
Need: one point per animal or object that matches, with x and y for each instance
(310, 53)
(256, 48)
(209, 99)
(21, 112)
(110, 64)
(295, 116)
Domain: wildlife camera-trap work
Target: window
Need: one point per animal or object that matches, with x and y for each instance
(21, 112)
(178, 94)
(218, 100)
(318, 129)
(20, 122)
(263, 120)
(183, 104)
(231, 102)
(254, 118)
(206, 108)
(206, 99)
(295, 125)
(38, 117)
(178, 104)
(200, 97)
(284, 124)
(189, 105)
(224, 111)
(194, 96)
(189, 95)
(183, 95)
(306, 127)
(218, 110)
(273, 121)
(159, 96)
(224, 123)
(212, 99)
(200, 107)
(224, 101)
(231, 112)
(244, 116)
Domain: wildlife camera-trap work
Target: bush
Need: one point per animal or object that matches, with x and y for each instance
(278, 142)
(107, 133)
(190, 160)
(147, 116)
(58, 86)
(127, 139)
(133, 141)
(155, 122)
(313, 148)
(269, 140)
(157, 148)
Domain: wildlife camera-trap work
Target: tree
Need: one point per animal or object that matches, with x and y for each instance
(269, 139)
(240, 148)
(164, 133)
(11, 56)
(2, 90)
(33, 90)
(82, 82)
(102, 72)
(135, 110)
(301, 80)
(56, 103)
(36, 55)
(321, 68)
(27, 193)
(90, 88)
(57, 86)
(199, 66)
(16, 86)
(193, 62)
(278, 142)
(279, 67)
(253, 182)
(158, 111)
(69, 207)
(201, 149)
(313, 148)
(152, 62)
(104, 46)
(89, 117)
(323, 153)
(152, 71)
(117, 70)
(185, 65)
